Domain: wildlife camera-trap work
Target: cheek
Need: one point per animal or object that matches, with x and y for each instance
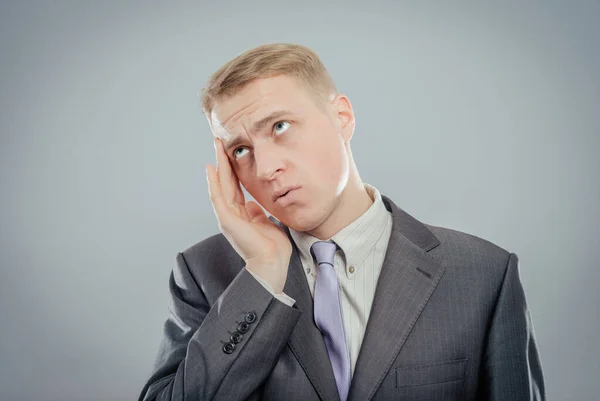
(245, 180)
(255, 188)
(327, 158)
(326, 172)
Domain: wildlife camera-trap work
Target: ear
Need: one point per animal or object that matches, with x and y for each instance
(344, 116)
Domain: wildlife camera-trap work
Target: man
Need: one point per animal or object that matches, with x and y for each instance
(340, 294)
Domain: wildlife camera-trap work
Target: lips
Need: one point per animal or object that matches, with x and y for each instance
(283, 191)
(289, 198)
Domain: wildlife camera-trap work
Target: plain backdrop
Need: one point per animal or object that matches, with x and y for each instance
(480, 118)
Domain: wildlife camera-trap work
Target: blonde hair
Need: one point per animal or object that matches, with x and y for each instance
(267, 61)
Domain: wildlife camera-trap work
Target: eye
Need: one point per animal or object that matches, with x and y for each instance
(280, 124)
(236, 154)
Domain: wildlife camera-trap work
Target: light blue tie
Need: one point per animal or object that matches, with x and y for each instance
(328, 314)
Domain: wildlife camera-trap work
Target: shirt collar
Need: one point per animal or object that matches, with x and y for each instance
(357, 239)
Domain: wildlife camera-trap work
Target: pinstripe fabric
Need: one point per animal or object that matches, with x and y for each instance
(363, 244)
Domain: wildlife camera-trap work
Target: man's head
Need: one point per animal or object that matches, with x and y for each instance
(283, 125)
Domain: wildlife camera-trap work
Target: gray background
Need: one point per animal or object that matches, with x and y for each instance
(481, 118)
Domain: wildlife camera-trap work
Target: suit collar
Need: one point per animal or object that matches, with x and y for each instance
(408, 278)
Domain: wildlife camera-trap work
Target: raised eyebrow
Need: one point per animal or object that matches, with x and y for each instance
(260, 125)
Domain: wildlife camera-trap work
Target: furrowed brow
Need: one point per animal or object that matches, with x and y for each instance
(256, 127)
(260, 125)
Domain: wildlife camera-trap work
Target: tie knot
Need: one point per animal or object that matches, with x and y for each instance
(324, 251)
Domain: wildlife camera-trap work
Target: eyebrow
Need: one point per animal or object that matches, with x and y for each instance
(257, 127)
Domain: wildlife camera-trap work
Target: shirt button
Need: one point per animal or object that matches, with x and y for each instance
(351, 269)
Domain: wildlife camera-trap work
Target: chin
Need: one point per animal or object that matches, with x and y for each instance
(300, 221)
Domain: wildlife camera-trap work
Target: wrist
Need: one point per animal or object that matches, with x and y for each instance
(272, 274)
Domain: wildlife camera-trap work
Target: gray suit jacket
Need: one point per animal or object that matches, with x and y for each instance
(449, 322)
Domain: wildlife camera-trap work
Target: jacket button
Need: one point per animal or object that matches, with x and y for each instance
(243, 327)
(228, 348)
(236, 337)
(250, 317)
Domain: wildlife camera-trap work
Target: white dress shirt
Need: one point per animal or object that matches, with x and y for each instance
(363, 246)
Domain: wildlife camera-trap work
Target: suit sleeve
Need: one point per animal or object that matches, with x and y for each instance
(223, 352)
(512, 367)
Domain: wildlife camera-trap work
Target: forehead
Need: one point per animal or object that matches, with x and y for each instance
(258, 99)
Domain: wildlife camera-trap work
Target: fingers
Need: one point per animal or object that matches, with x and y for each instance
(256, 213)
(214, 192)
(253, 211)
(228, 193)
(239, 194)
(227, 178)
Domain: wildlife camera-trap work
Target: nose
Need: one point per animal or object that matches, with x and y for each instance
(267, 159)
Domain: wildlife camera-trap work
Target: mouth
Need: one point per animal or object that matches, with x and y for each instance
(282, 196)
(283, 192)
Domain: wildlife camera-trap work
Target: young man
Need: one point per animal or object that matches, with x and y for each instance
(340, 294)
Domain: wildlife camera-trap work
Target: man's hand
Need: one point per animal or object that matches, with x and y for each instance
(264, 247)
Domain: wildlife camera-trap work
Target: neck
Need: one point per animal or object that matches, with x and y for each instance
(353, 203)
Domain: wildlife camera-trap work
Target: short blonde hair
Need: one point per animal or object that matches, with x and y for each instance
(267, 61)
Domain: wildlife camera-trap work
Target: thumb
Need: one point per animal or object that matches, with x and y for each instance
(255, 212)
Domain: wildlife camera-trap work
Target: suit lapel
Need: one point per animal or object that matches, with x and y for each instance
(408, 278)
(306, 341)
